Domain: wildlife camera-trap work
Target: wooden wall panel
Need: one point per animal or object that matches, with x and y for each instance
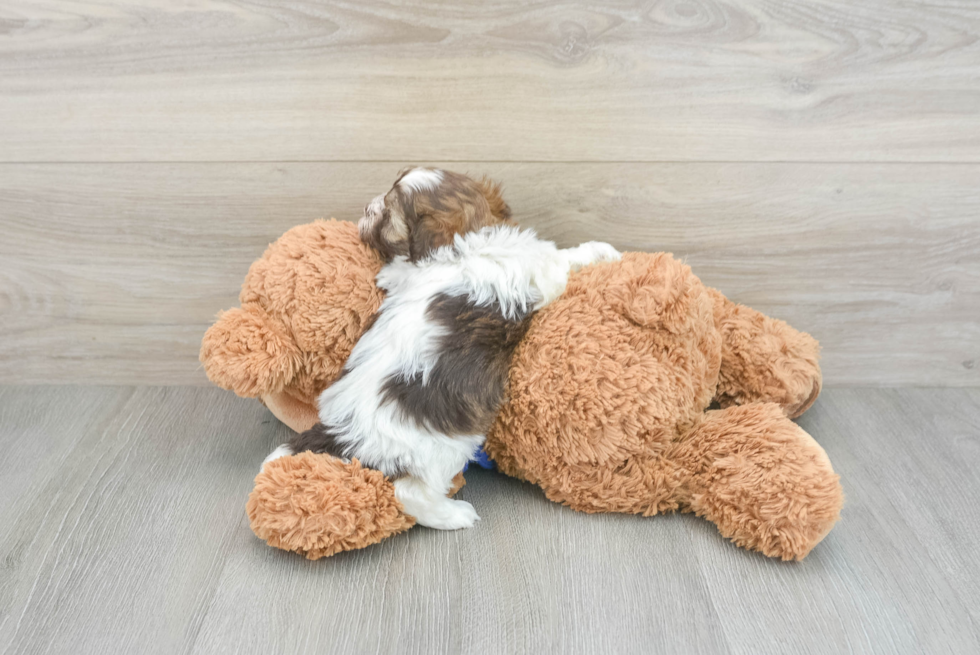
(692, 80)
(816, 159)
(110, 273)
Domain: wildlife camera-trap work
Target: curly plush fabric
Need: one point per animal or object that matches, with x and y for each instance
(319, 506)
(605, 374)
(606, 406)
(249, 353)
(760, 478)
(304, 306)
(764, 359)
(608, 391)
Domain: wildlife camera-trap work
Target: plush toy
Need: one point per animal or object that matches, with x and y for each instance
(607, 410)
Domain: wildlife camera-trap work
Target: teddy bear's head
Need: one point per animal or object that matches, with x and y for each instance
(304, 305)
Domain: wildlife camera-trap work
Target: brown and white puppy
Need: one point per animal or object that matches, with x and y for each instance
(424, 382)
(426, 208)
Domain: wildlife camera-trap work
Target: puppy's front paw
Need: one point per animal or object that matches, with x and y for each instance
(592, 252)
(599, 251)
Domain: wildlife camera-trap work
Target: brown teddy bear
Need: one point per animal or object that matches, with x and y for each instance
(607, 410)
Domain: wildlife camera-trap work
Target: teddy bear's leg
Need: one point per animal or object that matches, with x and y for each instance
(760, 478)
(318, 505)
(764, 360)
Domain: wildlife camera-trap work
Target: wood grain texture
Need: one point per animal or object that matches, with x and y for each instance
(116, 541)
(902, 552)
(569, 80)
(128, 534)
(111, 273)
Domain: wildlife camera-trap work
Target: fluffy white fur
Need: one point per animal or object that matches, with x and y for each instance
(421, 179)
(281, 451)
(500, 264)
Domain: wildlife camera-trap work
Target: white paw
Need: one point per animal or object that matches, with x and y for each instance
(281, 451)
(550, 289)
(450, 515)
(599, 251)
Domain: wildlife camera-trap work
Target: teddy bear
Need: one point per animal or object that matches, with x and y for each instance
(639, 390)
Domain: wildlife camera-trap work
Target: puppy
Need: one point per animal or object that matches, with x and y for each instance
(422, 386)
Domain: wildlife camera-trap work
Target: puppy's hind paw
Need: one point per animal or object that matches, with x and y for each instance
(282, 451)
(452, 515)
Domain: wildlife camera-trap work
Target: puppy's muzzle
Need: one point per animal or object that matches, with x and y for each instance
(373, 212)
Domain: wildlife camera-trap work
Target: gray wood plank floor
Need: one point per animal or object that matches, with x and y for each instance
(125, 532)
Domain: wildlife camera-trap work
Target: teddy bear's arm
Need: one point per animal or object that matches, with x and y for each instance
(764, 360)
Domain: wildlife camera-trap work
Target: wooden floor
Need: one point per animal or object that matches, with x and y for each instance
(125, 532)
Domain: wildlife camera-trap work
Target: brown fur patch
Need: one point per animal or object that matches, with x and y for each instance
(391, 240)
(416, 222)
(466, 386)
(457, 206)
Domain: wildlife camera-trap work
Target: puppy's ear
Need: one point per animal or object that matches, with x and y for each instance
(491, 191)
(395, 226)
(387, 230)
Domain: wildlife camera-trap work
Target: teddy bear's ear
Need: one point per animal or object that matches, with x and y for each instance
(652, 289)
(248, 352)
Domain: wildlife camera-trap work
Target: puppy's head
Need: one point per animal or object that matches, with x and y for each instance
(426, 208)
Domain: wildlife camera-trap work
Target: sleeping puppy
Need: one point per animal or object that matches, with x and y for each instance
(422, 386)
